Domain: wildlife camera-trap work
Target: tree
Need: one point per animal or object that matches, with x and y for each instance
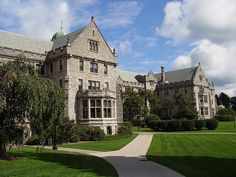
(233, 103)
(225, 99)
(135, 104)
(186, 109)
(25, 96)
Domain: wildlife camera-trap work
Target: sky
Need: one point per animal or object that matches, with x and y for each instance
(145, 33)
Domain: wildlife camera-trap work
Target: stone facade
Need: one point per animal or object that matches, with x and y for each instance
(83, 64)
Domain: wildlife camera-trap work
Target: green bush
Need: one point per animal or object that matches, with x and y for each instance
(199, 124)
(211, 124)
(155, 124)
(175, 125)
(225, 118)
(88, 133)
(164, 125)
(227, 111)
(125, 129)
(151, 117)
(67, 132)
(33, 140)
(188, 125)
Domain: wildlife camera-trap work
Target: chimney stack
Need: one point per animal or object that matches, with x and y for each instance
(163, 77)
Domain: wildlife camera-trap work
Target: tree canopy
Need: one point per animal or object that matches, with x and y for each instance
(26, 97)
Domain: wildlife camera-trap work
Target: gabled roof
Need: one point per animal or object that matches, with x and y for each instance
(178, 75)
(20, 42)
(62, 41)
(128, 76)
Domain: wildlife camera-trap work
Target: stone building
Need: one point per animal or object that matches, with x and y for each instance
(83, 64)
(190, 82)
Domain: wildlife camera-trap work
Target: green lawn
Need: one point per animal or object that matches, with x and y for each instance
(196, 155)
(54, 163)
(111, 143)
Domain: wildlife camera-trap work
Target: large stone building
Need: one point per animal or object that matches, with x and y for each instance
(83, 64)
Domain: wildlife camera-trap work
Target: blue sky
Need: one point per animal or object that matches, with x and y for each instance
(146, 33)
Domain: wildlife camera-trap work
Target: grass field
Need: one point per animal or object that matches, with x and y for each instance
(196, 155)
(111, 143)
(54, 163)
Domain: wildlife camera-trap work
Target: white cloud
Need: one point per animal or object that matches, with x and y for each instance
(211, 28)
(194, 19)
(120, 14)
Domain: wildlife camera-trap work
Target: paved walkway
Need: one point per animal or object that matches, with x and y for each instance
(130, 161)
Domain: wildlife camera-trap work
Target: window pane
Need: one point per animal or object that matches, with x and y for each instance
(92, 103)
(98, 103)
(92, 112)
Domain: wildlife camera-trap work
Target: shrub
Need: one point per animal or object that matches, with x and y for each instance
(67, 132)
(188, 125)
(211, 124)
(88, 133)
(151, 117)
(199, 124)
(225, 117)
(33, 140)
(155, 124)
(125, 129)
(227, 111)
(164, 125)
(175, 125)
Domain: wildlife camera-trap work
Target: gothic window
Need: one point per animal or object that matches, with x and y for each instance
(93, 85)
(85, 108)
(60, 65)
(93, 45)
(61, 83)
(206, 111)
(93, 67)
(95, 108)
(106, 85)
(201, 111)
(205, 99)
(80, 85)
(81, 65)
(105, 69)
(107, 108)
(51, 67)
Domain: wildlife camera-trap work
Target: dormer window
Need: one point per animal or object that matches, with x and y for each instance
(93, 45)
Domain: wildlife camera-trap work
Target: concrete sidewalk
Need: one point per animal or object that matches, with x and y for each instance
(130, 161)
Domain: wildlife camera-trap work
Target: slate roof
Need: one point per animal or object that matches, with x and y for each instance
(20, 42)
(128, 76)
(62, 41)
(178, 75)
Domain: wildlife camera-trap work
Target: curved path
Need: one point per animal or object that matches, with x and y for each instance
(130, 161)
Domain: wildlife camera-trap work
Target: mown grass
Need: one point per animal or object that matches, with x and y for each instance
(54, 163)
(111, 143)
(196, 155)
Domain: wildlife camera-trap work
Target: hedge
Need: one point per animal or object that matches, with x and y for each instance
(199, 124)
(125, 129)
(225, 117)
(88, 133)
(211, 124)
(151, 117)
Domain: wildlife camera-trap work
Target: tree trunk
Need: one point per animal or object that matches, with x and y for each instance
(2, 146)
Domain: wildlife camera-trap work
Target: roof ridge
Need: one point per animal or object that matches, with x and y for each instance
(21, 35)
(193, 67)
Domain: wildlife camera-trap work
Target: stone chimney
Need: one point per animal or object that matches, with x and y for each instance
(163, 77)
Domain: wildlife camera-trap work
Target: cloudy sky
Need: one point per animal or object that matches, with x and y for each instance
(146, 33)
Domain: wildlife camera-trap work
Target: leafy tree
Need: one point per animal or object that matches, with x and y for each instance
(233, 103)
(137, 104)
(27, 97)
(227, 111)
(225, 99)
(186, 109)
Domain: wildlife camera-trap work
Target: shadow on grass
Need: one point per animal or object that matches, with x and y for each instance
(198, 166)
(81, 162)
